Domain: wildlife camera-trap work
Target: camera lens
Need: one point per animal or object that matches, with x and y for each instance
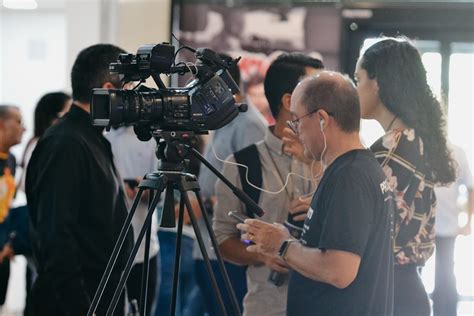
(124, 107)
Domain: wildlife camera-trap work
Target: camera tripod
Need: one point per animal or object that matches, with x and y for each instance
(173, 149)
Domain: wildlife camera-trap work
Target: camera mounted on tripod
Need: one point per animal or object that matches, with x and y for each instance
(173, 116)
(205, 103)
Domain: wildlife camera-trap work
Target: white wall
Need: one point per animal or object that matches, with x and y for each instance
(83, 25)
(143, 22)
(33, 60)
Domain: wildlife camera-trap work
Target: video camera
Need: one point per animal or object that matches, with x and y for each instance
(205, 103)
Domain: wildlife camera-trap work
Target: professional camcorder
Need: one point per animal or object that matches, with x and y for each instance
(205, 103)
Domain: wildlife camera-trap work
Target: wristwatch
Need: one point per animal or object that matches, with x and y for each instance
(284, 247)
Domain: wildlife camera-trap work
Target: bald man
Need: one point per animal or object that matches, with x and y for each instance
(343, 263)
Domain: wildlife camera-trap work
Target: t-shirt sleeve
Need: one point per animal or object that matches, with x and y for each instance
(349, 214)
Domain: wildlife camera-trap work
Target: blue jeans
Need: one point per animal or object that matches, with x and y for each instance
(238, 279)
(188, 300)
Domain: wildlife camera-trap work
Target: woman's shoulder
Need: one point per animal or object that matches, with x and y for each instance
(401, 141)
(403, 146)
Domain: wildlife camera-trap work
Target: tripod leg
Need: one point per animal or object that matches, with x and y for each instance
(131, 258)
(115, 253)
(228, 285)
(146, 264)
(204, 252)
(177, 258)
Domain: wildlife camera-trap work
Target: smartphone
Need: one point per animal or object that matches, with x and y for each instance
(132, 183)
(237, 216)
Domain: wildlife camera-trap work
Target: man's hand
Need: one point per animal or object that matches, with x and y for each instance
(267, 238)
(293, 146)
(7, 253)
(298, 206)
(131, 192)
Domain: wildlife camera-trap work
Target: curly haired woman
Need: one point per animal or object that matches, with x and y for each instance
(392, 87)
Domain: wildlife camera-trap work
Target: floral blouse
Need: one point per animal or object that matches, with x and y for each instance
(400, 153)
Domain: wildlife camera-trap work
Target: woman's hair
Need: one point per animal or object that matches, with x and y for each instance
(48, 109)
(396, 65)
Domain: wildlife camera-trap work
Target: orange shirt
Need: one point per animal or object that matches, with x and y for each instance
(7, 184)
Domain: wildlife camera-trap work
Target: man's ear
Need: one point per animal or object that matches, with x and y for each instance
(286, 102)
(323, 120)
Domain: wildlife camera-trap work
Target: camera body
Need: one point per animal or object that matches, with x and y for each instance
(205, 103)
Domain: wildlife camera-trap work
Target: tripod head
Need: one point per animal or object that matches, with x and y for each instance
(174, 150)
(171, 150)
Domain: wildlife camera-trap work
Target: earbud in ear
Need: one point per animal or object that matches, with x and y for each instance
(321, 124)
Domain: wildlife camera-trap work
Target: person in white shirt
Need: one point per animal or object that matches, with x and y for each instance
(445, 295)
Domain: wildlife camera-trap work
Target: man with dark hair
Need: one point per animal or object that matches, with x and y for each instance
(268, 162)
(11, 131)
(76, 201)
(91, 70)
(343, 262)
(283, 75)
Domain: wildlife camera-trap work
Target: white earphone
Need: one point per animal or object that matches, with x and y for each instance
(321, 124)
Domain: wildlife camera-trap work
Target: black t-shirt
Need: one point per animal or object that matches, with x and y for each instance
(351, 211)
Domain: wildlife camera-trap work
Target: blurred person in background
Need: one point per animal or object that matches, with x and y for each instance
(393, 89)
(49, 109)
(11, 132)
(445, 295)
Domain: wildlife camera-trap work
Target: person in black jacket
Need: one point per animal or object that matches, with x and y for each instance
(76, 201)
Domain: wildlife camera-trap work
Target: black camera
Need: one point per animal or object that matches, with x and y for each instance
(205, 103)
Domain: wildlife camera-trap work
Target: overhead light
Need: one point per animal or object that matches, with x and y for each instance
(20, 4)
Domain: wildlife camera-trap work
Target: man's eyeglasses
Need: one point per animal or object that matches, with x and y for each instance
(293, 124)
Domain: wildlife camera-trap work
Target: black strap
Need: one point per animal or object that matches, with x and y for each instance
(250, 157)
